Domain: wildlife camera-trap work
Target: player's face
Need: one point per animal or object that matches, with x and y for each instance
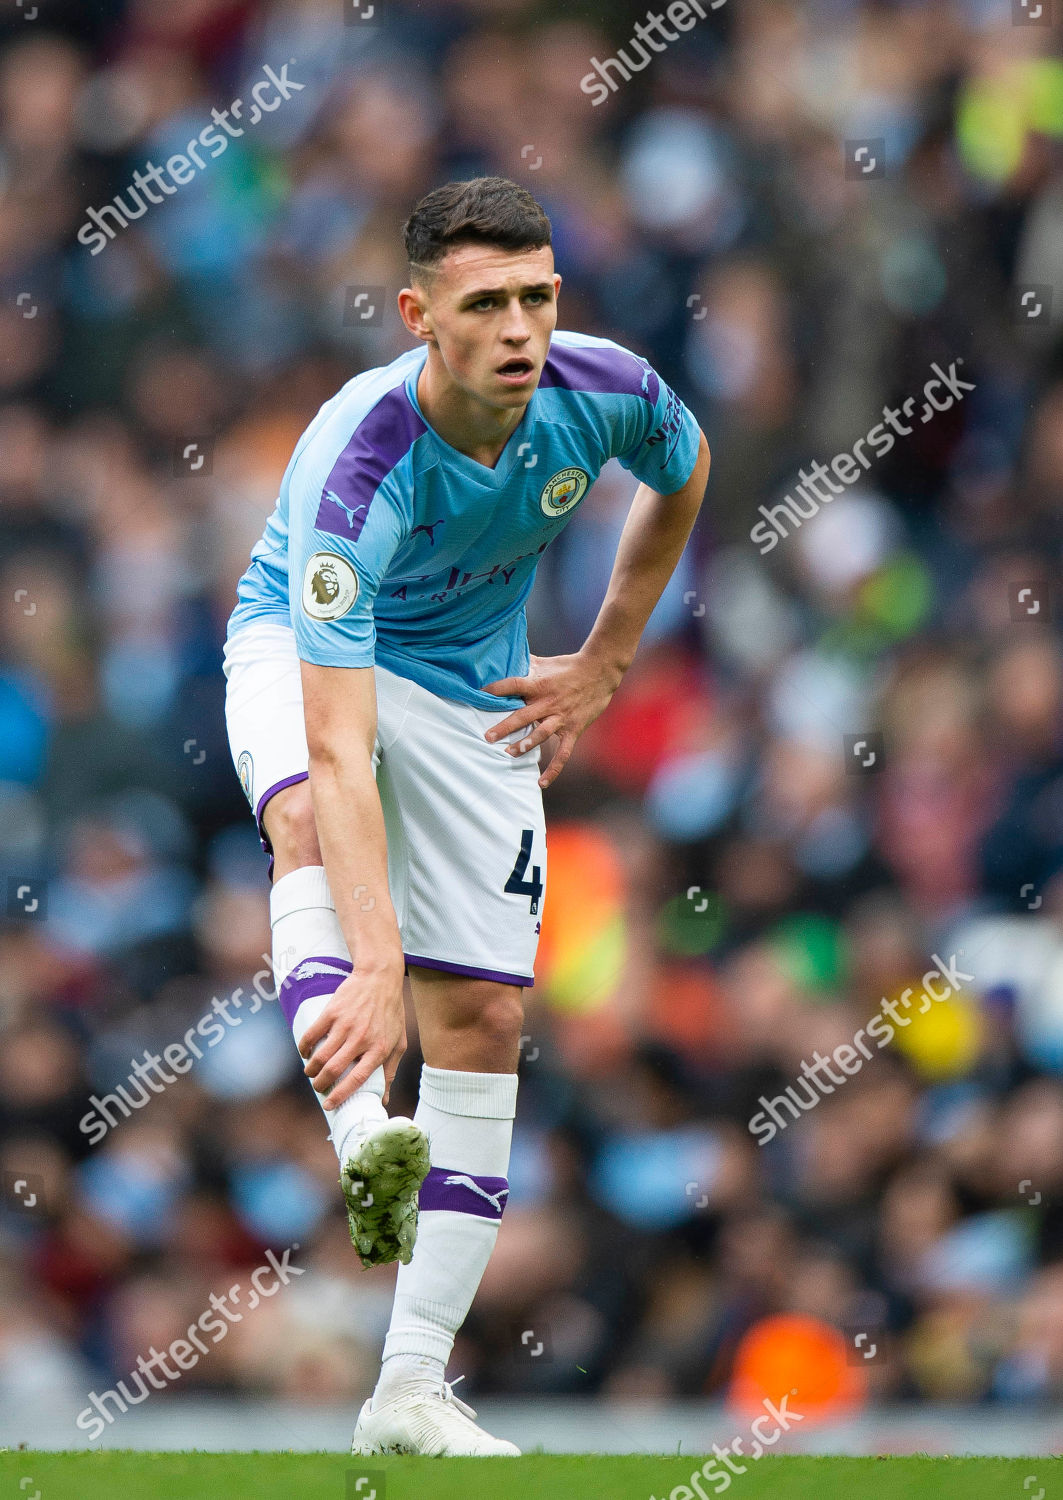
(491, 314)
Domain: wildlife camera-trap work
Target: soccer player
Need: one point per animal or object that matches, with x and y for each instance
(386, 720)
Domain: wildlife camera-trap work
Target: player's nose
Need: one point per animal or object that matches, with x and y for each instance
(515, 328)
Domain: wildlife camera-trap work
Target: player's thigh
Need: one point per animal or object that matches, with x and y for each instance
(267, 739)
(474, 843)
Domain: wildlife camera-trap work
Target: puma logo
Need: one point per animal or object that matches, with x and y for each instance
(350, 514)
(459, 1179)
(313, 966)
(429, 528)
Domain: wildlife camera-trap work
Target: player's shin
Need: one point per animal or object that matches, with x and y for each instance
(310, 962)
(468, 1118)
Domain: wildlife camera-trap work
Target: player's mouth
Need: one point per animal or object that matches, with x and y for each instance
(516, 371)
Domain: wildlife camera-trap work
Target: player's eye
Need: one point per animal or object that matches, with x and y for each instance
(536, 298)
(483, 304)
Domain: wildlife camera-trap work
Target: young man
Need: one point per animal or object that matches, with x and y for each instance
(385, 718)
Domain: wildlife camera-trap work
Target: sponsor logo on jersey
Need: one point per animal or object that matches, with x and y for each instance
(245, 771)
(330, 586)
(566, 489)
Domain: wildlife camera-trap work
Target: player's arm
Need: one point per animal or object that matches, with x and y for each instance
(344, 529)
(564, 694)
(657, 529)
(364, 1022)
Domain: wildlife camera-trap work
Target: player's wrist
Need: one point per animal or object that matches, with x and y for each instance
(608, 660)
(379, 963)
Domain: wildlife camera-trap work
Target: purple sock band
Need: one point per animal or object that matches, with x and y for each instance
(310, 977)
(464, 1193)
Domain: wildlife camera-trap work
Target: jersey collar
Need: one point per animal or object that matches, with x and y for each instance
(509, 459)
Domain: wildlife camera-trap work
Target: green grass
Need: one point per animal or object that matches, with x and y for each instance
(329, 1476)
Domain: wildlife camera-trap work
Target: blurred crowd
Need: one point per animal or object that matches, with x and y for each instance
(732, 886)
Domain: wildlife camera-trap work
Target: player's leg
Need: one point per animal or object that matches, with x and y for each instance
(383, 1161)
(310, 957)
(470, 1036)
(475, 875)
(264, 717)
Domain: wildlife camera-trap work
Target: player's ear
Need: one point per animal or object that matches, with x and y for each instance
(413, 310)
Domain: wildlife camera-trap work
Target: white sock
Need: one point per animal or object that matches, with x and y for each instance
(310, 962)
(468, 1118)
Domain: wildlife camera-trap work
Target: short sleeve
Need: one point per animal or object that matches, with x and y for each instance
(661, 438)
(339, 549)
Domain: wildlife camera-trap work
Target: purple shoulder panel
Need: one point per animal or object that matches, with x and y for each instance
(602, 370)
(380, 441)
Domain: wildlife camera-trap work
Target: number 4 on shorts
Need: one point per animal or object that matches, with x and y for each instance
(516, 884)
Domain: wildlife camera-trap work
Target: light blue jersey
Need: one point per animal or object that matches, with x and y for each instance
(389, 545)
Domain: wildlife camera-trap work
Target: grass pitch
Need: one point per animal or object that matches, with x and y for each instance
(28, 1475)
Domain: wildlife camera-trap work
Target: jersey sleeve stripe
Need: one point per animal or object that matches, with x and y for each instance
(603, 370)
(380, 441)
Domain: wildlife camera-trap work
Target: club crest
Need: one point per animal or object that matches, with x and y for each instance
(566, 489)
(245, 771)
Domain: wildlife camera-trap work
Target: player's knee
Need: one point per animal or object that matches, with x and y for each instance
(288, 819)
(501, 1016)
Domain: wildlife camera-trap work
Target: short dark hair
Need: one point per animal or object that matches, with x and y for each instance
(484, 211)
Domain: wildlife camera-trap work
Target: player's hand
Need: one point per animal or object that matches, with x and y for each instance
(364, 1023)
(562, 695)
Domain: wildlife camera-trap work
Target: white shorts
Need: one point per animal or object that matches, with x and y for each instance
(464, 820)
